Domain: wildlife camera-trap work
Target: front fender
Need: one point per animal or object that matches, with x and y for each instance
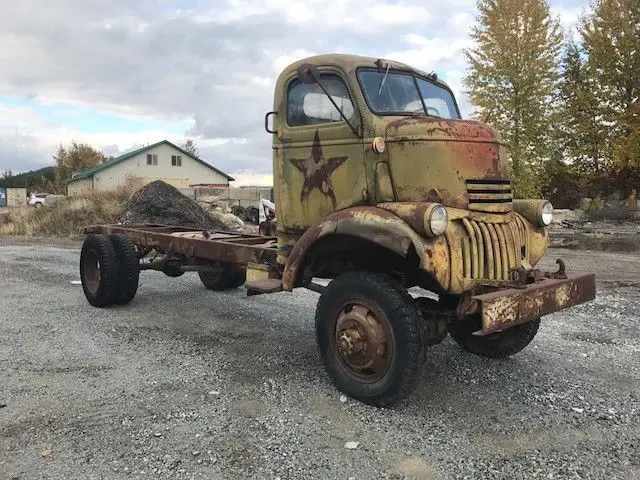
(375, 225)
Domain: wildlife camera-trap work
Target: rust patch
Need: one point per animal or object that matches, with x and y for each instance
(372, 223)
(317, 170)
(508, 307)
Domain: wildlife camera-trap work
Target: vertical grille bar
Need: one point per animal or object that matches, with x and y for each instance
(480, 241)
(504, 256)
(466, 257)
(475, 254)
(496, 251)
(490, 250)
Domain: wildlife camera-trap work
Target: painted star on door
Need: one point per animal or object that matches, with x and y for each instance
(317, 170)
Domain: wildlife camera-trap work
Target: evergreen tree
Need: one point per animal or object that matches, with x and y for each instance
(190, 147)
(512, 74)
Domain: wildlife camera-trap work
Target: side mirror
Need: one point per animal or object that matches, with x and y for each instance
(308, 73)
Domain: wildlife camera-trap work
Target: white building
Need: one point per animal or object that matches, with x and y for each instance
(160, 161)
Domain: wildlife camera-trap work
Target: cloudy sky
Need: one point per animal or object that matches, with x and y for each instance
(119, 74)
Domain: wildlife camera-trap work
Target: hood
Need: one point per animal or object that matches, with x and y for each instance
(458, 163)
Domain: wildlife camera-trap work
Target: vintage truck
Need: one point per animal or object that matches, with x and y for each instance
(384, 190)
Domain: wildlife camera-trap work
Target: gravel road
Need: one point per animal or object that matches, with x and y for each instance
(187, 383)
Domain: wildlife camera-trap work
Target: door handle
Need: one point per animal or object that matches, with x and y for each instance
(266, 122)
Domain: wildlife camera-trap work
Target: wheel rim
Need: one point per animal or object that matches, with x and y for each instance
(362, 341)
(91, 269)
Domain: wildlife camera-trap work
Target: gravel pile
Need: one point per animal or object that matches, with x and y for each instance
(160, 203)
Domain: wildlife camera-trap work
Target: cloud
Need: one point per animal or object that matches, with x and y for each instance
(209, 69)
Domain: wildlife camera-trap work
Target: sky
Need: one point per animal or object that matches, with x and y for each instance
(119, 74)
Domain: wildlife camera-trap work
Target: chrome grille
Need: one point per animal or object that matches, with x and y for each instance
(490, 195)
(490, 250)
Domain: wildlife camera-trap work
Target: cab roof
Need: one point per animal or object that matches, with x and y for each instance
(351, 62)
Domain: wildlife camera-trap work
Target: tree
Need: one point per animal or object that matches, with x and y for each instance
(581, 136)
(76, 157)
(190, 147)
(512, 72)
(611, 37)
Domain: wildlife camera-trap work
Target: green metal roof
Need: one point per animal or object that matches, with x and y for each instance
(89, 172)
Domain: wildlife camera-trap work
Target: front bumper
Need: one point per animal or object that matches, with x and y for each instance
(507, 307)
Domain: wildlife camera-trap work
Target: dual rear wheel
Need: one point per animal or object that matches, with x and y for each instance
(110, 271)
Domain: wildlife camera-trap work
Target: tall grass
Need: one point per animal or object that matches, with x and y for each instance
(69, 215)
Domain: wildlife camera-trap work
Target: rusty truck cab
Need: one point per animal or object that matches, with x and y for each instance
(397, 144)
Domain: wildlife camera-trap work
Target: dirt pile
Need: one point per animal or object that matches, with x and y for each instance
(160, 203)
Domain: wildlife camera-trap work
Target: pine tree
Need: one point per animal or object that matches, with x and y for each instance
(190, 147)
(512, 72)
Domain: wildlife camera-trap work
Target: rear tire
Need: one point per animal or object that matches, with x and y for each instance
(230, 276)
(495, 345)
(98, 270)
(370, 309)
(128, 269)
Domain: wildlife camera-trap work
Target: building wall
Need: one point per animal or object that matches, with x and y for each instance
(180, 177)
(190, 172)
(16, 197)
(78, 187)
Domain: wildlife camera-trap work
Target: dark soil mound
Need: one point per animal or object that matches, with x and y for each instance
(160, 203)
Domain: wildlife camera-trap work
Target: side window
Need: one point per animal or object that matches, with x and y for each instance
(152, 159)
(307, 104)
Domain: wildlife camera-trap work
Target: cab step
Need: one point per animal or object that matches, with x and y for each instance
(265, 285)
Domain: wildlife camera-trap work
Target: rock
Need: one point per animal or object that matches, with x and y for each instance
(343, 398)
(577, 410)
(351, 445)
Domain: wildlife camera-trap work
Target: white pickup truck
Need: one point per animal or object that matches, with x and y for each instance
(37, 200)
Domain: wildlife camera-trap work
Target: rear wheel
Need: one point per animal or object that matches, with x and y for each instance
(226, 277)
(98, 270)
(128, 269)
(495, 345)
(370, 334)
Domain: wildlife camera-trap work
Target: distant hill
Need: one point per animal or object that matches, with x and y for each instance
(33, 180)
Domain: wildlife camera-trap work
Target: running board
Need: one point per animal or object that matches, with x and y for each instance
(265, 285)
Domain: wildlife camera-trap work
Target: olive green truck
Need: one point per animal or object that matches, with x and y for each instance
(384, 190)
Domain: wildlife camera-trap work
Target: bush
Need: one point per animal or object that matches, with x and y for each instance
(69, 215)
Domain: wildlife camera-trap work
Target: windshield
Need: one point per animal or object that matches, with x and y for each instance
(393, 93)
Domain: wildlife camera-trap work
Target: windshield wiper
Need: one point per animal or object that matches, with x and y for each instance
(384, 79)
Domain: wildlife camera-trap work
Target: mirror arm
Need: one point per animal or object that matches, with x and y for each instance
(353, 129)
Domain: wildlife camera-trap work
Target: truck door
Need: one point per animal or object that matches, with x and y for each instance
(319, 163)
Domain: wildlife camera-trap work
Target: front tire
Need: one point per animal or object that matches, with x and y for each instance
(370, 334)
(495, 345)
(98, 270)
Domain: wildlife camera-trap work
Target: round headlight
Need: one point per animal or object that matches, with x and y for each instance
(546, 214)
(437, 222)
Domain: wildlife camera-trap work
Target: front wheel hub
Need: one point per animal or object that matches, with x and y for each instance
(362, 341)
(350, 342)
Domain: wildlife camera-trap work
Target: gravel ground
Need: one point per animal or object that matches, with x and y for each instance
(187, 383)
